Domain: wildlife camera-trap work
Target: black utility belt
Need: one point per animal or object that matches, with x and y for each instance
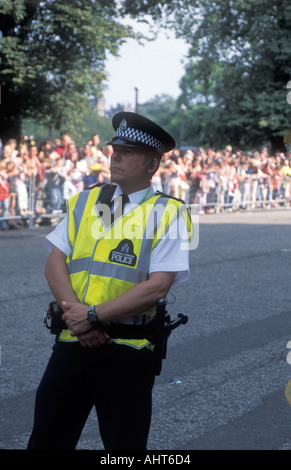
(156, 331)
(131, 331)
(53, 321)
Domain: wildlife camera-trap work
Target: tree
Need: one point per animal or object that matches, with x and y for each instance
(53, 57)
(163, 109)
(238, 68)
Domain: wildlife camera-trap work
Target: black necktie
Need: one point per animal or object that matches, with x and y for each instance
(124, 200)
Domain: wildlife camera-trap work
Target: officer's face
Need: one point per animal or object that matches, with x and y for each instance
(129, 169)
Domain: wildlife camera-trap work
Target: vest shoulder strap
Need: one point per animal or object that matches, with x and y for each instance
(169, 197)
(106, 192)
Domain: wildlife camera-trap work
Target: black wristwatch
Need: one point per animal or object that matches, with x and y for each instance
(92, 317)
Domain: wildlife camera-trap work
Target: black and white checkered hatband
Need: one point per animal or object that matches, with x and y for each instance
(136, 135)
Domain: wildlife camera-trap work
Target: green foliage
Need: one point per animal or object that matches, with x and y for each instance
(53, 55)
(53, 61)
(239, 66)
(93, 124)
(164, 110)
(90, 124)
(36, 131)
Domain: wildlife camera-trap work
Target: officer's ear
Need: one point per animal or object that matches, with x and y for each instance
(152, 165)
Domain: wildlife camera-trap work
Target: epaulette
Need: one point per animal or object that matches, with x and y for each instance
(99, 185)
(106, 192)
(169, 196)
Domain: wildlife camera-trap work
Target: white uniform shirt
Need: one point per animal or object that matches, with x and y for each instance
(171, 254)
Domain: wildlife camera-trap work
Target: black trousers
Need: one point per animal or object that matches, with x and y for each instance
(116, 379)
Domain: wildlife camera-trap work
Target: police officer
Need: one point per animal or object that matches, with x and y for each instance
(119, 249)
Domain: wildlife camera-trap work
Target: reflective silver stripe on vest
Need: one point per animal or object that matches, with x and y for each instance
(79, 208)
(105, 269)
(78, 213)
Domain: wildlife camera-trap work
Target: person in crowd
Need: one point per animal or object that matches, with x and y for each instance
(91, 175)
(107, 150)
(195, 180)
(183, 186)
(221, 187)
(45, 149)
(276, 183)
(33, 160)
(6, 154)
(11, 175)
(55, 177)
(13, 146)
(157, 181)
(63, 147)
(286, 173)
(4, 196)
(76, 168)
(245, 181)
(95, 142)
(23, 154)
(211, 183)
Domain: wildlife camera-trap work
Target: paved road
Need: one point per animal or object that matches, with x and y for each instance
(222, 385)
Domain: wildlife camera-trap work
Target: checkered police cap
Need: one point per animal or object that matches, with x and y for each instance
(134, 130)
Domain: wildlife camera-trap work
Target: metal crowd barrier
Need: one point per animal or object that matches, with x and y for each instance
(41, 210)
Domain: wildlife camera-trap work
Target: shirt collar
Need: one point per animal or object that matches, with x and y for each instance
(138, 196)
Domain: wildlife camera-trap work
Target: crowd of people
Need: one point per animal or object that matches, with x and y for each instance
(39, 179)
(222, 180)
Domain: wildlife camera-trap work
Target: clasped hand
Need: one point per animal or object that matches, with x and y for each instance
(75, 318)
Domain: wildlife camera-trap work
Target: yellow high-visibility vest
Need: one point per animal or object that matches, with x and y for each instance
(106, 260)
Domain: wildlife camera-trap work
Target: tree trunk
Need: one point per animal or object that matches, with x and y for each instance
(277, 145)
(10, 129)
(10, 117)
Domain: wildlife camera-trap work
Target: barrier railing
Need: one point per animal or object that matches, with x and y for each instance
(46, 203)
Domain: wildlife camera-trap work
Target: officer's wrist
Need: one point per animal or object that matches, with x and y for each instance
(92, 318)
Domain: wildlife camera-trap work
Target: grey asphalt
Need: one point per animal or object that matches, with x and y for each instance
(222, 384)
